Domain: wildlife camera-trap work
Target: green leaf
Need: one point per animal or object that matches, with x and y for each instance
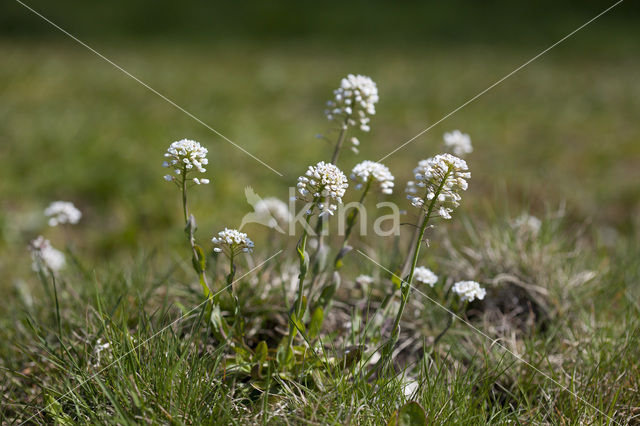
(219, 323)
(397, 282)
(299, 326)
(284, 354)
(54, 409)
(316, 322)
(410, 414)
(261, 352)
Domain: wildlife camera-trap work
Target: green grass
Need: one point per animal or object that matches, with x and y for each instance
(563, 130)
(176, 373)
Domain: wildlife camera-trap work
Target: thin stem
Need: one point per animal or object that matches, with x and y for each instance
(301, 248)
(341, 137)
(388, 349)
(58, 320)
(185, 210)
(351, 221)
(190, 234)
(320, 223)
(303, 269)
(443, 332)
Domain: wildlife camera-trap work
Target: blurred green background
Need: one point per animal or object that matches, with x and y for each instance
(73, 127)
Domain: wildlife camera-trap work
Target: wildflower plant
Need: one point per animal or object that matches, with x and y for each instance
(458, 143)
(62, 212)
(323, 185)
(353, 104)
(232, 243)
(186, 158)
(45, 257)
(435, 190)
(425, 276)
(322, 188)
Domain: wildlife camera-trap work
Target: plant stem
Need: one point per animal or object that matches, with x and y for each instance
(301, 248)
(185, 209)
(341, 137)
(189, 226)
(320, 223)
(351, 221)
(405, 291)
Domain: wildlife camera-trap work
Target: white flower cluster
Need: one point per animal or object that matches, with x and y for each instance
(459, 143)
(323, 184)
(425, 276)
(469, 290)
(274, 210)
(62, 212)
(443, 177)
(43, 254)
(185, 155)
(364, 281)
(366, 170)
(354, 102)
(232, 242)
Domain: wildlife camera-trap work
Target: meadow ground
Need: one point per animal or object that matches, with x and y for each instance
(559, 140)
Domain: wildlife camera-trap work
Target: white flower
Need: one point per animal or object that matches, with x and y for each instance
(274, 210)
(232, 242)
(62, 212)
(442, 178)
(366, 170)
(323, 184)
(184, 156)
(458, 142)
(354, 102)
(528, 223)
(469, 290)
(425, 276)
(364, 280)
(43, 254)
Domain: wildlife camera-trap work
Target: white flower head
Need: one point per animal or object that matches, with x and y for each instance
(62, 212)
(275, 210)
(370, 170)
(185, 156)
(232, 242)
(353, 102)
(438, 183)
(459, 143)
(469, 290)
(364, 281)
(425, 276)
(44, 255)
(323, 184)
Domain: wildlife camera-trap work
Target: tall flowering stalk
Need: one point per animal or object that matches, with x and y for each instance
(436, 192)
(353, 104)
(232, 243)
(186, 157)
(322, 187)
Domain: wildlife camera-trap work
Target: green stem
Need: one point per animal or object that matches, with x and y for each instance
(190, 234)
(405, 291)
(185, 210)
(301, 248)
(341, 137)
(320, 223)
(237, 318)
(351, 221)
